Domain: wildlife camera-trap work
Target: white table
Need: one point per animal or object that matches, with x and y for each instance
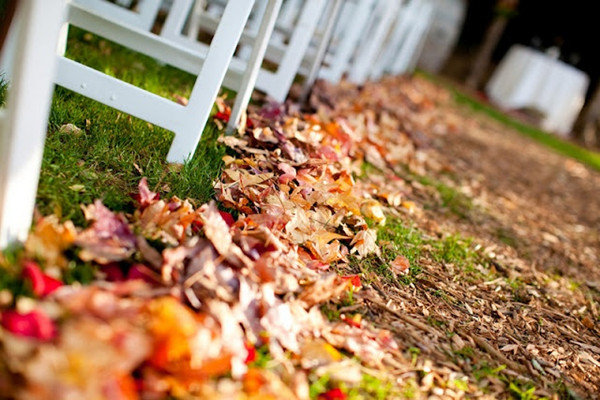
(529, 78)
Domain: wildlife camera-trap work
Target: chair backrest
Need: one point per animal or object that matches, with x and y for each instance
(289, 43)
(398, 34)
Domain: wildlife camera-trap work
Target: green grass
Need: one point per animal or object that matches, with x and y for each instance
(112, 150)
(370, 387)
(456, 202)
(564, 147)
(397, 238)
(451, 198)
(3, 87)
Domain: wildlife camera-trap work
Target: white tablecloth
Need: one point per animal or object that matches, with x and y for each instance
(529, 78)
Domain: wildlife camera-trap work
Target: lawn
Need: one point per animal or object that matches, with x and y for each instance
(108, 152)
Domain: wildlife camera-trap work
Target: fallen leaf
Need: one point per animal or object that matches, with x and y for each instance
(400, 265)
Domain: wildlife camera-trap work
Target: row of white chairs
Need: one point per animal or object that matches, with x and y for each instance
(361, 39)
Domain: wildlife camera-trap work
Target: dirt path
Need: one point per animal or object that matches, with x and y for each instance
(524, 321)
(390, 245)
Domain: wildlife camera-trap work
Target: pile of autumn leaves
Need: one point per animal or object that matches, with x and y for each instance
(189, 301)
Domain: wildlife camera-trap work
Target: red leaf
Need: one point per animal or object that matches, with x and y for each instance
(352, 322)
(333, 394)
(140, 271)
(146, 196)
(113, 272)
(34, 324)
(222, 116)
(41, 284)
(227, 217)
(354, 280)
(251, 357)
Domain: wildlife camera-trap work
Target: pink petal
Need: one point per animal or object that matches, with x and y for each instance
(34, 324)
(41, 284)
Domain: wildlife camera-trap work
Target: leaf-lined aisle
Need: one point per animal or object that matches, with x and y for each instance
(308, 286)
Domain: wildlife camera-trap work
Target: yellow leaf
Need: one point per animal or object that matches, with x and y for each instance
(372, 209)
(77, 188)
(317, 353)
(49, 239)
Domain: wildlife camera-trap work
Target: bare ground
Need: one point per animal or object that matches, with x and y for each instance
(526, 323)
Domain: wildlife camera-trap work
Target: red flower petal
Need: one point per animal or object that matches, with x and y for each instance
(34, 324)
(354, 280)
(222, 116)
(33, 274)
(113, 272)
(227, 217)
(333, 394)
(251, 357)
(51, 285)
(140, 271)
(41, 284)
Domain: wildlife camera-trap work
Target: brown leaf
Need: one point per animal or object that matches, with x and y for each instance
(400, 265)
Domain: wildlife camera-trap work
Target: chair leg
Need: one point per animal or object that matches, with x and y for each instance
(321, 49)
(254, 63)
(23, 123)
(352, 34)
(367, 53)
(209, 80)
(194, 25)
(278, 85)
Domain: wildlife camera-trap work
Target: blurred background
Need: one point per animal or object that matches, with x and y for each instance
(469, 39)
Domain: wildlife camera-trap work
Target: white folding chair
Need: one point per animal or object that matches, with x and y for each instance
(322, 44)
(286, 50)
(408, 54)
(401, 27)
(401, 53)
(351, 25)
(211, 65)
(376, 33)
(34, 32)
(142, 18)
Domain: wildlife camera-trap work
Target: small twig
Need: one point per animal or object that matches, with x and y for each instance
(481, 342)
(405, 318)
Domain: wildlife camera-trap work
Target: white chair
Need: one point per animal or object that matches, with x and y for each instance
(286, 50)
(211, 65)
(34, 32)
(36, 36)
(376, 33)
(321, 46)
(401, 52)
(142, 18)
(408, 54)
(352, 22)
